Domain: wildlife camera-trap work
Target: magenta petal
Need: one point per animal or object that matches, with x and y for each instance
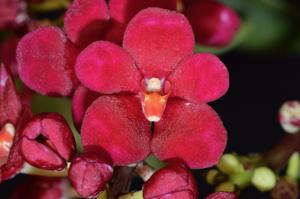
(105, 67)
(214, 24)
(81, 100)
(10, 105)
(47, 141)
(15, 159)
(40, 155)
(222, 195)
(121, 11)
(89, 173)
(118, 126)
(200, 78)
(172, 182)
(85, 21)
(46, 60)
(192, 133)
(158, 39)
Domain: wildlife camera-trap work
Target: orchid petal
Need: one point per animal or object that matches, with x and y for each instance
(200, 78)
(158, 39)
(45, 61)
(192, 133)
(118, 126)
(122, 11)
(85, 21)
(105, 67)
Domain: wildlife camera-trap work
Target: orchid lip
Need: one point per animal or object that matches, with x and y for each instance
(154, 96)
(7, 134)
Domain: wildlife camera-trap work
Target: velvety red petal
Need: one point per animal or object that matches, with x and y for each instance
(45, 61)
(40, 155)
(222, 195)
(214, 24)
(85, 21)
(89, 173)
(15, 160)
(81, 100)
(105, 67)
(47, 141)
(192, 133)
(174, 181)
(121, 11)
(118, 126)
(10, 105)
(200, 78)
(158, 39)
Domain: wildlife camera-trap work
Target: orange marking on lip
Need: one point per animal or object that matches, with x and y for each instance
(154, 105)
(6, 140)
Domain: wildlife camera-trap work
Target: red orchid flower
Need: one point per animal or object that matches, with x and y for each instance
(13, 116)
(157, 61)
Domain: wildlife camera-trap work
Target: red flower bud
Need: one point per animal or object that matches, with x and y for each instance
(47, 142)
(222, 195)
(214, 24)
(89, 174)
(174, 181)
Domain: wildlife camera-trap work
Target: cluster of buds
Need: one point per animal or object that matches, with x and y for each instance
(136, 89)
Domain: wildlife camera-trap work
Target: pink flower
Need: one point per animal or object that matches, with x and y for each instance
(156, 61)
(13, 116)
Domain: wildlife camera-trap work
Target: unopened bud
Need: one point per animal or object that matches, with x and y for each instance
(225, 186)
(263, 179)
(289, 116)
(229, 164)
